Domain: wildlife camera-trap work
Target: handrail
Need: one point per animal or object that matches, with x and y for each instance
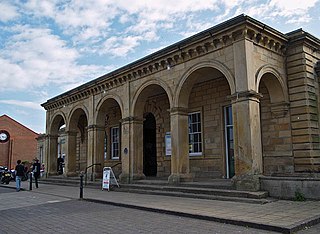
(116, 164)
(85, 173)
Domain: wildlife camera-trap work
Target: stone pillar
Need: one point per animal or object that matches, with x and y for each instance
(51, 154)
(126, 152)
(70, 159)
(180, 146)
(247, 140)
(95, 151)
(304, 102)
(136, 149)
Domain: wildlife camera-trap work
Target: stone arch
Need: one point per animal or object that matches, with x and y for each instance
(108, 116)
(190, 77)
(275, 122)
(274, 83)
(152, 97)
(74, 115)
(105, 103)
(55, 148)
(146, 90)
(57, 121)
(76, 158)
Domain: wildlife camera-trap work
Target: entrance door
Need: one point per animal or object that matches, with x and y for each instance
(230, 171)
(149, 146)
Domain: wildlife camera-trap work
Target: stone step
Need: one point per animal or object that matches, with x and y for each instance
(195, 190)
(211, 190)
(216, 183)
(196, 196)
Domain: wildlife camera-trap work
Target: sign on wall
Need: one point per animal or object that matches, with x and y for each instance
(168, 143)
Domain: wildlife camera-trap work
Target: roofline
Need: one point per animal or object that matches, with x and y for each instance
(18, 123)
(300, 34)
(240, 19)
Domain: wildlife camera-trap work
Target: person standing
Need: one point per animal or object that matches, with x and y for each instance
(19, 174)
(60, 162)
(36, 171)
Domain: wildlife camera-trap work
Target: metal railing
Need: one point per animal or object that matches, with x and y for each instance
(85, 173)
(115, 164)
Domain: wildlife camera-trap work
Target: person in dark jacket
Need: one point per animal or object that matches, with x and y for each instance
(36, 171)
(19, 174)
(60, 162)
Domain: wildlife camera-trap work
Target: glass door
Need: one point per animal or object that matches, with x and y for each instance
(229, 141)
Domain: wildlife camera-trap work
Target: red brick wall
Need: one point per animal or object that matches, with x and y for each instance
(21, 145)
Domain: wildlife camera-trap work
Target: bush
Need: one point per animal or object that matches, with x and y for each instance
(298, 196)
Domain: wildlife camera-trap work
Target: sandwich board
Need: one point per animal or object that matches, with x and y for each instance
(108, 178)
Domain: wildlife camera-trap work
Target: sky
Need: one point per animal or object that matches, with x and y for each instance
(48, 47)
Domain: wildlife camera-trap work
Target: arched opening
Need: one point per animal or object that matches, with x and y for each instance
(77, 135)
(151, 106)
(205, 94)
(149, 145)
(275, 127)
(108, 135)
(57, 146)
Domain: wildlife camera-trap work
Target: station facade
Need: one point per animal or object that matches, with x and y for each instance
(239, 100)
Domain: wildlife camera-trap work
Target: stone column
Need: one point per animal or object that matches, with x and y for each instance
(247, 140)
(180, 146)
(51, 154)
(70, 159)
(126, 152)
(95, 151)
(136, 149)
(303, 84)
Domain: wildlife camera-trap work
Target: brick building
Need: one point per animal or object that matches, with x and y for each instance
(239, 100)
(16, 142)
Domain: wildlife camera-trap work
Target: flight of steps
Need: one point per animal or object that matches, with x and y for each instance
(213, 190)
(216, 189)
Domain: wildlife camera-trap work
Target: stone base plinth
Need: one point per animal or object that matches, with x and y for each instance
(178, 178)
(247, 182)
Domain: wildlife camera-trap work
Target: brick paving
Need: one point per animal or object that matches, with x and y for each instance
(36, 212)
(282, 216)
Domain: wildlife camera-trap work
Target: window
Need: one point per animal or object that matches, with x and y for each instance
(105, 146)
(41, 154)
(115, 143)
(195, 139)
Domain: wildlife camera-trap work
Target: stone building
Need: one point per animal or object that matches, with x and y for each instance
(16, 142)
(238, 100)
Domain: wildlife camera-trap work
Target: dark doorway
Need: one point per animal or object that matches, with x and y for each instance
(149, 146)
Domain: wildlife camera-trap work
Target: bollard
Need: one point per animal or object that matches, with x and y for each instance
(30, 181)
(81, 185)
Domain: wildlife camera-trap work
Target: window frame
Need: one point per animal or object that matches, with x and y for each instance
(105, 145)
(113, 143)
(199, 133)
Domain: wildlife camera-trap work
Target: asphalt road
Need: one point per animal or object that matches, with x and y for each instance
(28, 212)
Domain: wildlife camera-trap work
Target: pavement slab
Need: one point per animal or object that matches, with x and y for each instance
(280, 215)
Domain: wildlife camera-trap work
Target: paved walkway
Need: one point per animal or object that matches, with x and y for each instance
(282, 216)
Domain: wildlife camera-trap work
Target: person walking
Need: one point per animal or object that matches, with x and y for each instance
(19, 174)
(36, 171)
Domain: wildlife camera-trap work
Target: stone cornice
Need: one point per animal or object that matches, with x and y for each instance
(300, 36)
(210, 40)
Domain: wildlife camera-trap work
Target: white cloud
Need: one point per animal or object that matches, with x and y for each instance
(25, 104)
(90, 23)
(8, 12)
(35, 57)
(289, 11)
(120, 46)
